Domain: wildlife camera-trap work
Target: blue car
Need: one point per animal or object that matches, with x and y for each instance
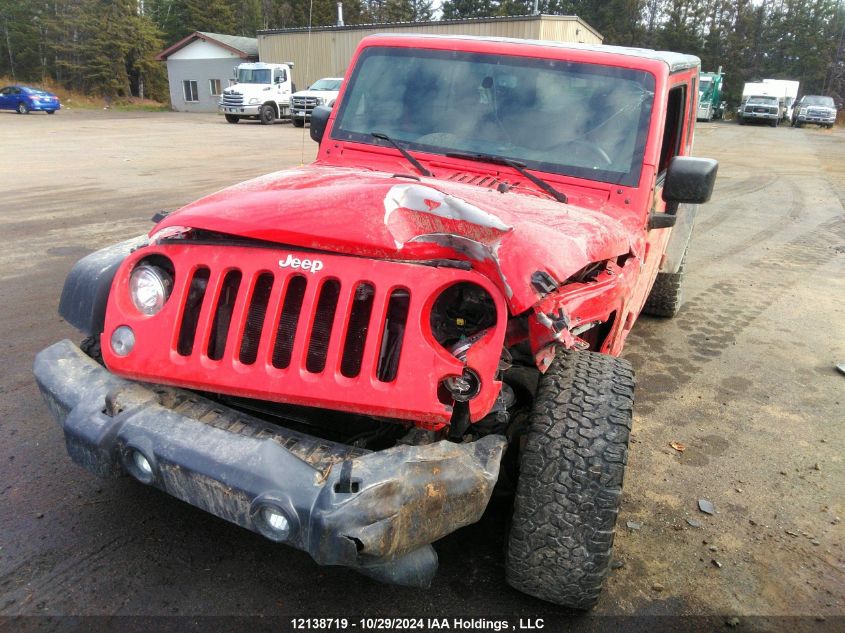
(25, 100)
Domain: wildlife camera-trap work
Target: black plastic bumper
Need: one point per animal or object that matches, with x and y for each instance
(375, 512)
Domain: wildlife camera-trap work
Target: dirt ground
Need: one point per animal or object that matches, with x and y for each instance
(744, 377)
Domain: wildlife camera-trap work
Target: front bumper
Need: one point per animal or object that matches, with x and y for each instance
(375, 512)
(807, 118)
(245, 110)
(762, 116)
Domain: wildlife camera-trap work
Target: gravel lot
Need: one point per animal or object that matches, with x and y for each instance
(744, 377)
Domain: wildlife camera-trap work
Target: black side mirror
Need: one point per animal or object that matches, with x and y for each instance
(690, 179)
(319, 119)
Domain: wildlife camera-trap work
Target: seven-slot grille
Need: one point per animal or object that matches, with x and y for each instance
(313, 329)
(278, 325)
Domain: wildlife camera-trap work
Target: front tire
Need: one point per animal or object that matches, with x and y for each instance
(51, 112)
(667, 293)
(231, 118)
(298, 122)
(23, 108)
(266, 115)
(570, 480)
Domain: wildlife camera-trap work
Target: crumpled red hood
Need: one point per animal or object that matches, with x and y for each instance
(509, 235)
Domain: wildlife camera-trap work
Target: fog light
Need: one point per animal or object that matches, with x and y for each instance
(122, 340)
(464, 387)
(138, 465)
(275, 524)
(142, 463)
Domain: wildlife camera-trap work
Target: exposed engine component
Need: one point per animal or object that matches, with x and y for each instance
(460, 312)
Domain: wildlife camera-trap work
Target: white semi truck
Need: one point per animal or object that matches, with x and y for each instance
(261, 91)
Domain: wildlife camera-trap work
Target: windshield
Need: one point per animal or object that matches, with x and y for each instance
(325, 84)
(253, 76)
(763, 100)
(814, 100)
(577, 119)
(705, 87)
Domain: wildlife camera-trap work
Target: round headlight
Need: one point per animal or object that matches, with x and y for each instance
(149, 288)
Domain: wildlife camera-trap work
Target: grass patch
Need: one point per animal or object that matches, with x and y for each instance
(77, 100)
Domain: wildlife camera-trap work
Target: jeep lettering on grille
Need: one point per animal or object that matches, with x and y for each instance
(310, 265)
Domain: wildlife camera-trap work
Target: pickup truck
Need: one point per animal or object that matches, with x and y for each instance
(816, 109)
(321, 92)
(348, 357)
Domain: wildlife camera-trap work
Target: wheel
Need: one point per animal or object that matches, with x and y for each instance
(667, 294)
(23, 108)
(570, 480)
(799, 124)
(231, 118)
(51, 112)
(91, 347)
(266, 114)
(774, 123)
(298, 122)
(740, 120)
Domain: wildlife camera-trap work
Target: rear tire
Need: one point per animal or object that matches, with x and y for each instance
(666, 296)
(51, 112)
(231, 118)
(267, 115)
(570, 480)
(298, 122)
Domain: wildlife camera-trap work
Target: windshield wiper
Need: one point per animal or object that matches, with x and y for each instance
(520, 167)
(403, 151)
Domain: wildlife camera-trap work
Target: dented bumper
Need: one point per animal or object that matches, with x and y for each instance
(376, 512)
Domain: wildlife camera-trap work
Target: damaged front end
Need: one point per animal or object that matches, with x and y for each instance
(375, 512)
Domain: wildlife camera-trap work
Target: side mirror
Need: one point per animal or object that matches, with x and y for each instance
(690, 179)
(319, 119)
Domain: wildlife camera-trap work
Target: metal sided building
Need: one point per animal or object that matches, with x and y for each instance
(201, 65)
(325, 51)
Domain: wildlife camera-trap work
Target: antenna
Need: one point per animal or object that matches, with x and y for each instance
(307, 63)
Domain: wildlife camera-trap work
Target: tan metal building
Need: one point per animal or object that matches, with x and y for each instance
(325, 51)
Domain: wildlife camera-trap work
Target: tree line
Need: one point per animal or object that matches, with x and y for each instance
(108, 46)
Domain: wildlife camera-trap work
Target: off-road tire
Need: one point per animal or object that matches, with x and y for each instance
(667, 293)
(231, 118)
(23, 108)
(298, 122)
(570, 480)
(91, 347)
(267, 115)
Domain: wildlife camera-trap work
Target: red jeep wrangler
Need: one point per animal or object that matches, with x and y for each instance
(347, 357)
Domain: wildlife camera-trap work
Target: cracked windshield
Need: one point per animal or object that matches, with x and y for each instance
(583, 120)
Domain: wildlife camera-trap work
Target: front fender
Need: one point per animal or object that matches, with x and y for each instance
(86, 290)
